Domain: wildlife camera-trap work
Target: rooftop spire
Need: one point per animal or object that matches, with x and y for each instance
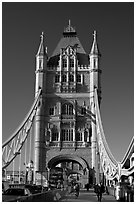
(42, 36)
(94, 35)
(69, 23)
(41, 50)
(69, 30)
(94, 49)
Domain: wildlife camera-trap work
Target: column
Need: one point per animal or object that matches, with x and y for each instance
(83, 136)
(59, 138)
(74, 138)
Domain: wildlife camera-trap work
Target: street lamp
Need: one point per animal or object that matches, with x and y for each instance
(29, 172)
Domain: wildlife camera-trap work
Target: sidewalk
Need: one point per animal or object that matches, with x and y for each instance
(108, 198)
(87, 196)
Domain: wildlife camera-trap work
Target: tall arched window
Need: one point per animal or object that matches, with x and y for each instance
(57, 78)
(83, 110)
(79, 136)
(79, 78)
(64, 78)
(85, 135)
(54, 135)
(64, 62)
(71, 78)
(67, 109)
(71, 62)
(67, 134)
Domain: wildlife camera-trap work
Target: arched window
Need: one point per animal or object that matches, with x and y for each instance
(71, 62)
(54, 135)
(79, 78)
(67, 109)
(64, 62)
(64, 78)
(85, 135)
(71, 78)
(67, 134)
(57, 78)
(83, 110)
(51, 111)
(79, 136)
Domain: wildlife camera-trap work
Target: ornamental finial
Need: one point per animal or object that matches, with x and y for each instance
(42, 35)
(94, 34)
(69, 22)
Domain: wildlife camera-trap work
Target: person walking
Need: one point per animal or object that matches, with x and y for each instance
(77, 188)
(99, 190)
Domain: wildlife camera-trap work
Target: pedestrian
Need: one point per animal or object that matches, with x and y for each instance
(98, 189)
(77, 188)
(87, 186)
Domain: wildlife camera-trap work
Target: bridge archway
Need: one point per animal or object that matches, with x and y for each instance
(67, 157)
(79, 170)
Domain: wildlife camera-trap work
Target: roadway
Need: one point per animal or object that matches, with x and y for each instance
(87, 196)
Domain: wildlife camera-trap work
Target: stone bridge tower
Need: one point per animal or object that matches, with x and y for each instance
(65, 132)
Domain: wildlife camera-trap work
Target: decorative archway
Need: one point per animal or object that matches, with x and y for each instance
(67, 157)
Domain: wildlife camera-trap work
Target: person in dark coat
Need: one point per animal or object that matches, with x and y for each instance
(99, 190)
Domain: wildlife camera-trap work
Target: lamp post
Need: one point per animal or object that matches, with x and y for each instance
(29, 172)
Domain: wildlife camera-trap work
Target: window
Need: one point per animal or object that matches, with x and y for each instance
(51, 111)
(67, 134)
(64, 78)
(71, 62)
(85, 135)
(55, 136)
(57, 78)
(71, 78)
(95, 63)
(64, 63)
(40, 63)
(79, 136)
(79, 78)
(67, 109)
(83, 110)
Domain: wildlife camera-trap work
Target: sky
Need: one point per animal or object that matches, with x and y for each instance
(22, 24)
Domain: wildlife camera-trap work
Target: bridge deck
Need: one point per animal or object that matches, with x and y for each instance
(87, 196)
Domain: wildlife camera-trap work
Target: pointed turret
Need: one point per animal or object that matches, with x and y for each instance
(40, 83)
(95, 80)
(41, 65)
(41, 50)
(94, 49)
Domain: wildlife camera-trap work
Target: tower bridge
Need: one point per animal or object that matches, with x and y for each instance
(64, 127)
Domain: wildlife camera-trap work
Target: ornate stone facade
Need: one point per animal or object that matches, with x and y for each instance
(65, 123)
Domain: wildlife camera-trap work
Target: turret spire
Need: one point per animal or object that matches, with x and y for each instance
(41, 50)
(94, 49)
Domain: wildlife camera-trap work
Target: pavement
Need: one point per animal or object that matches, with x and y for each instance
(87, 196)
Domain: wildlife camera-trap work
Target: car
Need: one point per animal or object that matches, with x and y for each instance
(5, 186)
(13, 194)
(34, 188)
